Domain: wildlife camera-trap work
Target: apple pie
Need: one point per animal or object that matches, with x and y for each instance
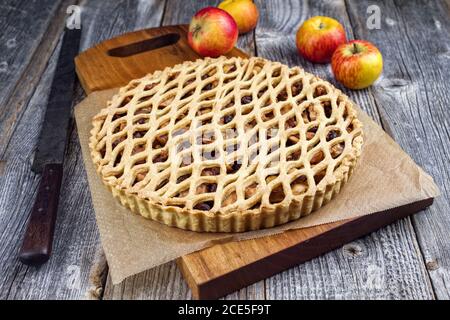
(226, 144)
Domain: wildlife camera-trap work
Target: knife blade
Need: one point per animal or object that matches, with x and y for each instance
(52, 140)
(48, 160)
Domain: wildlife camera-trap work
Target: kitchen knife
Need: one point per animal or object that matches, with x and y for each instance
(48, 160)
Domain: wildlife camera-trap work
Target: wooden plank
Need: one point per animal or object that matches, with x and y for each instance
(413, 102)
(97, 70)
(74, 271)
(372, 267)
(332, 276)
(66, 274)
(104, 20)
(30, 32)
(217, 270)
(165, 282)
(23, 25)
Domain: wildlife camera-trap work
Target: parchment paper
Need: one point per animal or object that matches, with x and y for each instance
(385, 177)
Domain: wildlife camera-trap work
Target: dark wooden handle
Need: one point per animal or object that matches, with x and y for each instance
(37, 243)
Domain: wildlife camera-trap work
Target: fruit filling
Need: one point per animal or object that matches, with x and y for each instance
(336, 150)
(230, 199)
(309, 114)
(299, 185)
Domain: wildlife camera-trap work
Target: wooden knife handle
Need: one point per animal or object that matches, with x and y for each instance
(37, 243)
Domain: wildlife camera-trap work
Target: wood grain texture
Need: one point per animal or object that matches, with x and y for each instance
(30, 31)
(98, 70)
(66, 274)
(413, 99)
(275, 39)
(372, 267)
(166, 282)
(69, 273)
(220, 269)
(38, 239)
(102, 20)
(23, 25)
(386, 264)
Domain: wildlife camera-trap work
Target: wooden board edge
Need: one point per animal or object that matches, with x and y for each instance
(81, 78)
(296, 254)
(188, 277)
(82, 59)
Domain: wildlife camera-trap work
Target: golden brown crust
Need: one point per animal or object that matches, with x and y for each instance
(306, 132)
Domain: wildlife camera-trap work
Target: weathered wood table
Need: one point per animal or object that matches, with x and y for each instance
(409, 259)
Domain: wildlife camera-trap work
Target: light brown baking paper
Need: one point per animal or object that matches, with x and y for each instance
(385, 177)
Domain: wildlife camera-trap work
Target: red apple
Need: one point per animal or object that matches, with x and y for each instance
(357, 64)
(212, 32)
(244, 12)
(318, 37)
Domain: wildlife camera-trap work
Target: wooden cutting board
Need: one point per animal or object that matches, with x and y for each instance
(223, 268)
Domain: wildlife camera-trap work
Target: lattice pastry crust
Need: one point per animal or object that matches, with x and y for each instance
(226, 144)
